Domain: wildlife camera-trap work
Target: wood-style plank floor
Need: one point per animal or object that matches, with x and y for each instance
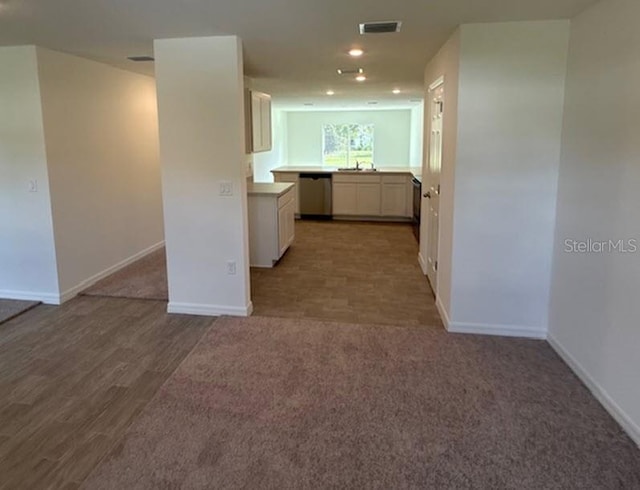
(353, 272)
(72, 378)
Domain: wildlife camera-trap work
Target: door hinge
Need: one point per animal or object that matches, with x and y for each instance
(435, 266)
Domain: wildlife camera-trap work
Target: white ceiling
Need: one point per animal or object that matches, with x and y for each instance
(292, 47)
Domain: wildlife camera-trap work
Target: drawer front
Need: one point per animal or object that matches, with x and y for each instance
(395, 179)
(356, 179)
(284, 199)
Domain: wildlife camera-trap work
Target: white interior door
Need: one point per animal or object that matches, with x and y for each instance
(430, 209)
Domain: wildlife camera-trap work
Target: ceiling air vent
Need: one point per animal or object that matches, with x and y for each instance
(380, 27)
(349, 71)
(141, 58)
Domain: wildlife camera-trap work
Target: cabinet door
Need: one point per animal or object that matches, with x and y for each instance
(368, 200)
(394, 200)
(345, 198)
(265, 116)
(286, 227)
(282, 230)
(256, 121)
(290, 216)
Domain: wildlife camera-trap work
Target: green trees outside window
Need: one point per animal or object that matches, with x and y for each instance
(344, 144)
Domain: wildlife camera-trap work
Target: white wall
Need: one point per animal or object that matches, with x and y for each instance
(445, 64)
(266, 161)
(510, 109)
(392, 134)
(417, 135)
(102, 150)
(202, 143)
(594, 298)
(27, 252)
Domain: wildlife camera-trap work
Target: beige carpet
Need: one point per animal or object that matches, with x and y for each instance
(294, 404)
(144, 279)
(11, 308)
(348, 272)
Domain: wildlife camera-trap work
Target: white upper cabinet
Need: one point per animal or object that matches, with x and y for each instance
(260, 122)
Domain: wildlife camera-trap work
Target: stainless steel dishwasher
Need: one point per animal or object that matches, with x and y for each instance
(315, 195)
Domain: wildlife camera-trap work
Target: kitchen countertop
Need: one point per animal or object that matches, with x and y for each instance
(266, 189)
(414, 171)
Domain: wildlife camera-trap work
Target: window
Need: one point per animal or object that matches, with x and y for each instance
(344, 144)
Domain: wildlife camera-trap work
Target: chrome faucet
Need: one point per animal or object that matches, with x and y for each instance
(357, 165)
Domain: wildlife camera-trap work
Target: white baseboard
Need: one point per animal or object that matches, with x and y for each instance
(209, 310)
(620, 416)
(443, 312)
(423, 264)
(78, 288)
(499, 330)
(47, 298)
(484, 329)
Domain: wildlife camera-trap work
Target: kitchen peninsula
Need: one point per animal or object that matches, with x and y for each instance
(271, 221)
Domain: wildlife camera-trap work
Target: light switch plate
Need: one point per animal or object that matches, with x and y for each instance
(231, 267)
(33, 185)
(226, 189)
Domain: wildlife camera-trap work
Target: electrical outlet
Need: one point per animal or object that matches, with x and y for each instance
(226, 189)
(231, 267)
(33, 185)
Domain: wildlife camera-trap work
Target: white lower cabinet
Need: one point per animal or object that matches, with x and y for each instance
(286, 224)
(394, 199)
(397, 196)
(371, 196)
(292, 178)
(345, 198)
(377, 195)
(271, 226)
(368, 199)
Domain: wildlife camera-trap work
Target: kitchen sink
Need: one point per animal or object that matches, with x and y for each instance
(354, 169)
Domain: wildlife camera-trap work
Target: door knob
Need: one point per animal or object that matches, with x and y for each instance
(427, 195)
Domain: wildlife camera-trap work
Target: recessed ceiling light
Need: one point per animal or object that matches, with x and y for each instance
(396, 91)
(330, 92)
(356, 52)
(361, 78)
